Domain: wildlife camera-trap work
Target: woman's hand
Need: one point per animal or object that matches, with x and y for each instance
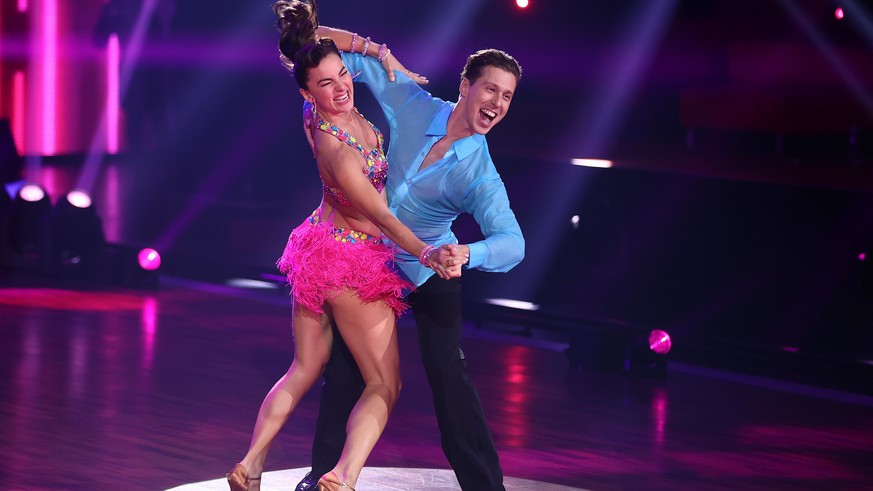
(391, 64)
(448, 259)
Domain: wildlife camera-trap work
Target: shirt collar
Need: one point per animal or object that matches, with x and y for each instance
(463, 147)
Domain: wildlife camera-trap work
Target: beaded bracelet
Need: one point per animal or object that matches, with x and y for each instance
(354, 41)
(424, 257)
(383, 52)
(366, 46)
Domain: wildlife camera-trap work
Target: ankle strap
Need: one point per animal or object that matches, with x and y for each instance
(340, 484)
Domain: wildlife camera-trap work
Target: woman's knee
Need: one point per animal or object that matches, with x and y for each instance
(389, 387)
(395, 385)
(308, 369)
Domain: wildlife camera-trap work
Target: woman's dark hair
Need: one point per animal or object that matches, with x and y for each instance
(490, 57)
(298, 43)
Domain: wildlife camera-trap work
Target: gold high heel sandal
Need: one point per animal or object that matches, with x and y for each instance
(239, 479)
(327, 484)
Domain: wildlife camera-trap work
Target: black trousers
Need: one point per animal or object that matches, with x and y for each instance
(465, 437)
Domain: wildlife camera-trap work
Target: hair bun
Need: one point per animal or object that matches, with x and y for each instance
(296, 15)
(297, 23)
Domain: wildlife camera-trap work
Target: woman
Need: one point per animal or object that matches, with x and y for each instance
(336, 261)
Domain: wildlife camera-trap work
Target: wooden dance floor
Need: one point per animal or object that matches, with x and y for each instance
(107, 389)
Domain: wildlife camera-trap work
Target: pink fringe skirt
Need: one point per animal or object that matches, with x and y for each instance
(321, 261)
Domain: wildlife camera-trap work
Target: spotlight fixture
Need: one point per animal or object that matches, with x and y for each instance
(660, 342)
(77, 231)
(132, 267)
(149, 259)
(29, 221)
(5, 213)
(31, 193)
(79, 198)
(647, 354)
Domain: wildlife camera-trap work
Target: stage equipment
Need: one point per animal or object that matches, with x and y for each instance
(77, 234)
(149, 259)
(29, 225)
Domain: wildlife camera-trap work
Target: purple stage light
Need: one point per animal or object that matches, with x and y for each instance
(660, 342)
(31, 193)
(48, 67)
(149, 259)
(862, 257)
(79, 198)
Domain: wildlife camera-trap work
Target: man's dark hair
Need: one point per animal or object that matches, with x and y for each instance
(490, 57)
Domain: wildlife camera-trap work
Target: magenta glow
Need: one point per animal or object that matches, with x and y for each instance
(113, 57)
(149, 259)
(660, 342)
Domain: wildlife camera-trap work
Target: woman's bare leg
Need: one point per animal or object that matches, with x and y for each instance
(369, 330)
(312, 340)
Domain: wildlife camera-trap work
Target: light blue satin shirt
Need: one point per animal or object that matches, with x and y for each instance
(463, 181)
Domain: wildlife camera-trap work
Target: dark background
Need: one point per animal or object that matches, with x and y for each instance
(735, 213)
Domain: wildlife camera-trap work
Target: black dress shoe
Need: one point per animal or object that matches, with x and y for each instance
(308, 483)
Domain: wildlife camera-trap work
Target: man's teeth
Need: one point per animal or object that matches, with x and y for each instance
(490, 114)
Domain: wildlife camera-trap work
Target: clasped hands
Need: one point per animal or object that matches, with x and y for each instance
(448, 259)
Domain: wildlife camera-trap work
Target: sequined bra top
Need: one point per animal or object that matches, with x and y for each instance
(377, 163)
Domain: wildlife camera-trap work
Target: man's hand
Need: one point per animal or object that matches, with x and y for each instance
(449, 259)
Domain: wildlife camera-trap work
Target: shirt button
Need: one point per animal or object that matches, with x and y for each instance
(409, 181)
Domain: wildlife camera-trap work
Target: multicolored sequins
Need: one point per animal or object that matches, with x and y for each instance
(347, 235)
(377, 163)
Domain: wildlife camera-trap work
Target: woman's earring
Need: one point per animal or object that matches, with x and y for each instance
(314, 110)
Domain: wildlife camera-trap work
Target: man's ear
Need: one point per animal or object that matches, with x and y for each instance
(465, 87)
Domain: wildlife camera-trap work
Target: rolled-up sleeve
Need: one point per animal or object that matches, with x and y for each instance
(503, 246)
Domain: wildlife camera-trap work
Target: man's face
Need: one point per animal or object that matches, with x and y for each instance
(487, 98)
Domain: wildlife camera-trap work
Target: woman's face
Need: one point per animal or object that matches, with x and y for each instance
(330, 85)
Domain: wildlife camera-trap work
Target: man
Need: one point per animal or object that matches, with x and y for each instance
(439, 168)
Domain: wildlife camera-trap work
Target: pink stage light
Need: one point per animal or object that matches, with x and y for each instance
(839, 13)
(31, 193)
(49, 60)
(149, 259)
(22, 5)
(18, 110)
(149, 330)
(79, 198)
(113, 57)
(862, 257)
(660, 342)
(522, 3)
